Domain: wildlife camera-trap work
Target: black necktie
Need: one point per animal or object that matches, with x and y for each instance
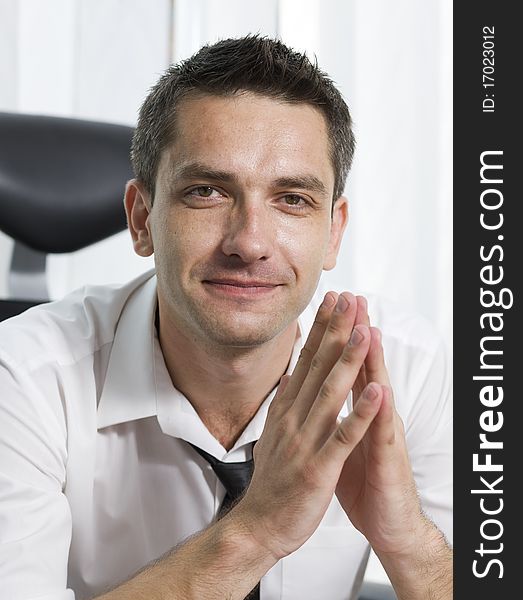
(235, 477)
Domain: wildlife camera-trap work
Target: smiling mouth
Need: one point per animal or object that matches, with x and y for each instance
(232, 287)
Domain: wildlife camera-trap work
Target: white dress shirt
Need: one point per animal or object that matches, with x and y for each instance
(97, 478)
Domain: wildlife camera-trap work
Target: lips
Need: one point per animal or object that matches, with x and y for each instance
(240, 289)
(241, 283)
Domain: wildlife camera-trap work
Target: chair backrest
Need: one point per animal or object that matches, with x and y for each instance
(376, 591)
(61, 189)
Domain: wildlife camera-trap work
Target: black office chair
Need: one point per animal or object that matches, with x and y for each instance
(376, 591)
(61, 189)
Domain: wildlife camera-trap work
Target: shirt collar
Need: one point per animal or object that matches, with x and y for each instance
(127, 393)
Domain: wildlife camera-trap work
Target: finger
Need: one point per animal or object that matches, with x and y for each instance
(387, 423)
(383, 431)
(359, 385)
(284, 382)
(277, 400)
(375, 362)
(312, 344)
(351, 430)
(334, 341)
(387, 449)
(282, 386)
(362, 316)
(334, 390)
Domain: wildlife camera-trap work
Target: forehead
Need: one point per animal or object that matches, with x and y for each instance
(252, 136)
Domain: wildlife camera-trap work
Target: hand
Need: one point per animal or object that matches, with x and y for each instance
(376, 487)
(301, 452)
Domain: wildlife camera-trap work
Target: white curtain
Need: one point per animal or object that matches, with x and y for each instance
(96, 59)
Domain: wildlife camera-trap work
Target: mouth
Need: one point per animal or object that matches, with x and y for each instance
(237, 288)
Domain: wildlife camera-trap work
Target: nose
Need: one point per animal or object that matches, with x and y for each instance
(249, 233)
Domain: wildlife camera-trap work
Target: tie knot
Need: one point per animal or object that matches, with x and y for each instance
(234, 476)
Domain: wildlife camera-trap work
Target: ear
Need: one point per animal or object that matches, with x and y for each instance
(138, 209)
(340, 217)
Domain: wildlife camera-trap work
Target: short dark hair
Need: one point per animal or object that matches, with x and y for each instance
(254, 64)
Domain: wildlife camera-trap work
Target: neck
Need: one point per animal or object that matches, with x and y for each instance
(225, 386)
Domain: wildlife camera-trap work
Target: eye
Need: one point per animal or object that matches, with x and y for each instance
(295, 202)
(203, 191)
(293, 199)
(203, 196)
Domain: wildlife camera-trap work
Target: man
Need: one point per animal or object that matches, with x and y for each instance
(117, 402)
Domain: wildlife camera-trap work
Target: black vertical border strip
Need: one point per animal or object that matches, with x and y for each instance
(475, 132)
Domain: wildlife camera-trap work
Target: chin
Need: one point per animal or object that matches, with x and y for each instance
(243, 333)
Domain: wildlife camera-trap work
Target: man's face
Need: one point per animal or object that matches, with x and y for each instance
(241, 222)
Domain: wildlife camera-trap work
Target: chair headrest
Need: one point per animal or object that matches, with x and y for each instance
(62, 180)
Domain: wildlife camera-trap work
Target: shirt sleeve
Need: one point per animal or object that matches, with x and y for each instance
(35, 519)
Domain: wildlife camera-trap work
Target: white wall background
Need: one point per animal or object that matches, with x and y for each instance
(96, 59)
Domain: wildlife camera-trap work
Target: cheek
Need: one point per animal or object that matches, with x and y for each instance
(304, 248)
(185, 242)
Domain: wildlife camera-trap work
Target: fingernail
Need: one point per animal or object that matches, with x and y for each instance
(371, 392)
(355, 338)
(342, 305)
(329, 300)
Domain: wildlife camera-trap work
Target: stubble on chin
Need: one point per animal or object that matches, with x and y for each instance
(240, 329)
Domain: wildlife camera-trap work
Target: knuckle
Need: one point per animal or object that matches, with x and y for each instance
(321, 320)
(351, 356)
(335, 327)
(283, 426)
(292, 445)
(391, 439)
(344, 436)
(361, 413)
(306, 354)
(347, 357)
(327, 390)
(316, 363)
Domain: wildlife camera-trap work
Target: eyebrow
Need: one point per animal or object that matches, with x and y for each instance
(304, 182)
(201, 171)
